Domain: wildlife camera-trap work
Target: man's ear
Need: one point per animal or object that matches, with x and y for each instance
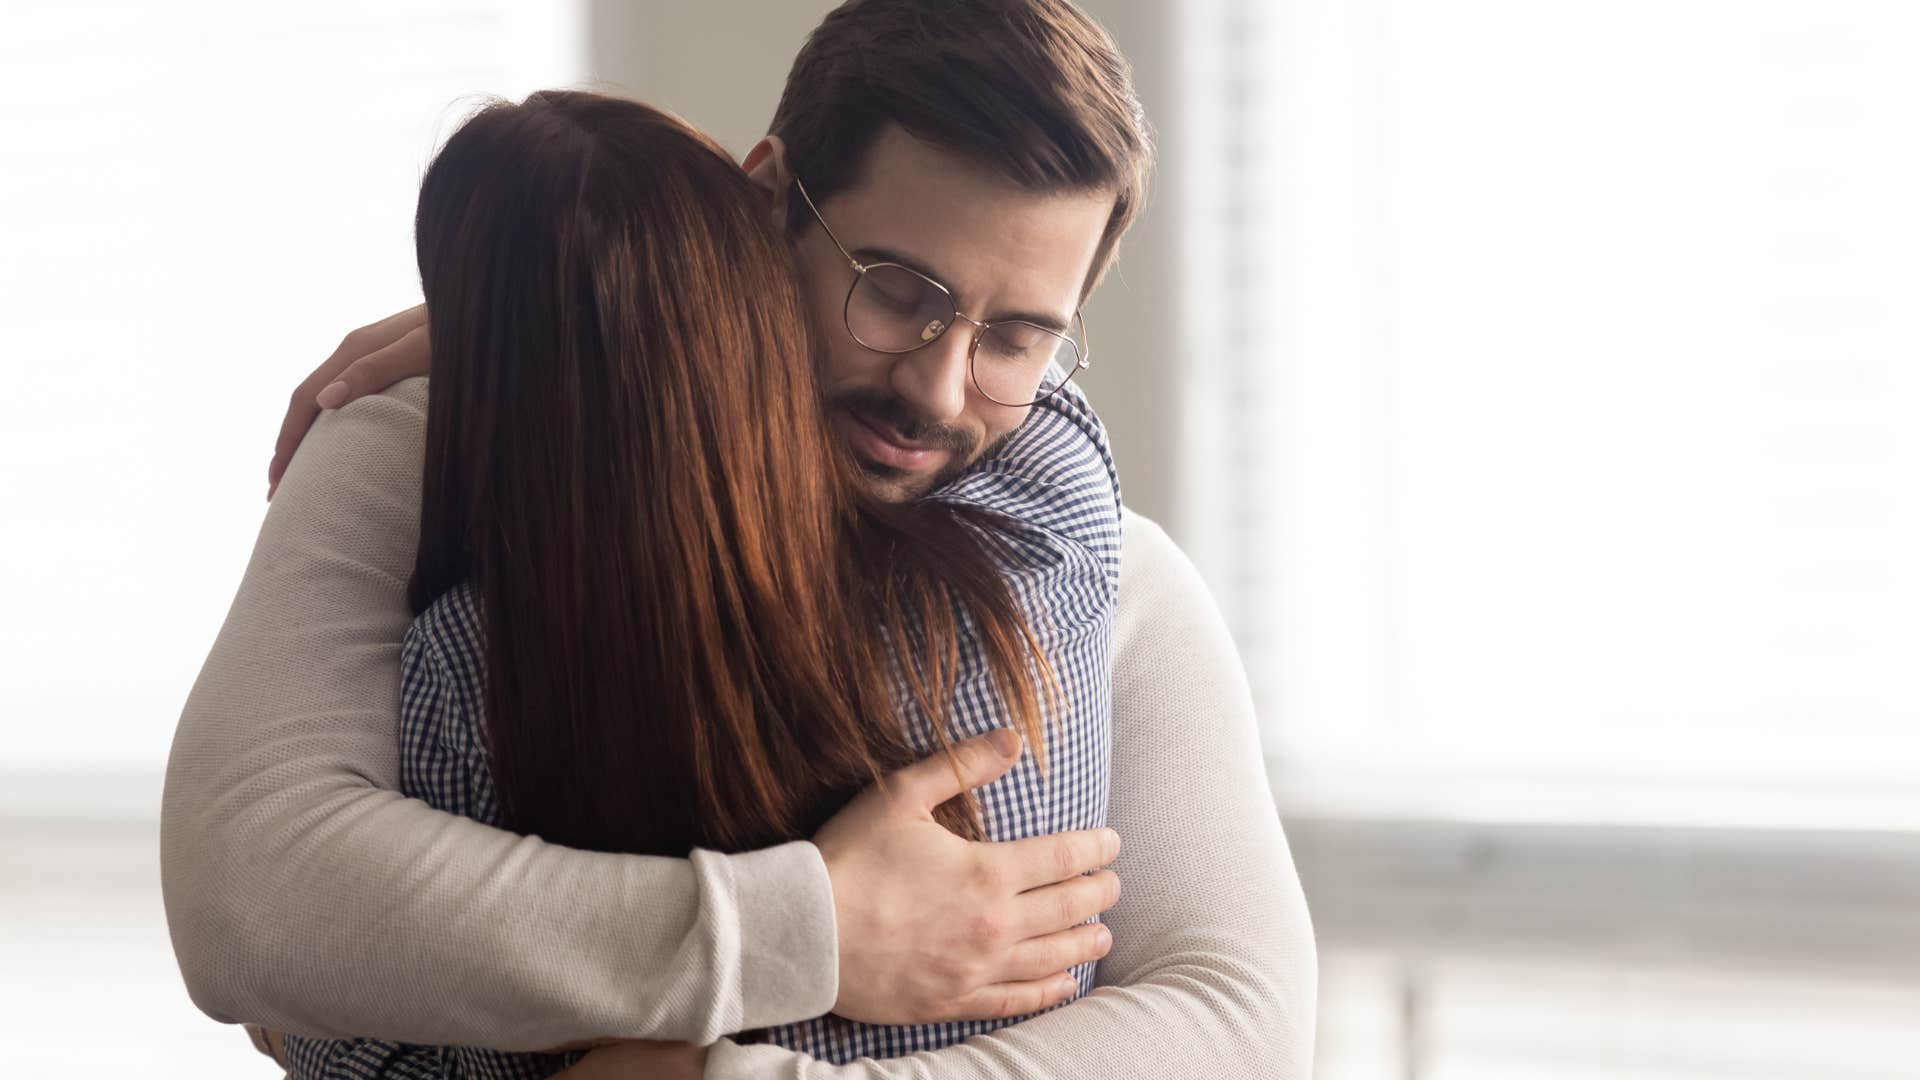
(766, 167)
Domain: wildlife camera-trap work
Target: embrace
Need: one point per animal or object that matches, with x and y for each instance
(731, 667)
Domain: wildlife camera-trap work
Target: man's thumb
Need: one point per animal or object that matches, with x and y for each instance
(973, 763)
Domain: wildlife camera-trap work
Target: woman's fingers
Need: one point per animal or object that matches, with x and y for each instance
(396, 347)
(405, 358)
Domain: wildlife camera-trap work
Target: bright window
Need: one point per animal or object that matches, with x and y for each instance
(1568, 363)
(197, 201)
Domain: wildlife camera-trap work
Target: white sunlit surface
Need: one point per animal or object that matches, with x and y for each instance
(1570, 371)
(198, 201)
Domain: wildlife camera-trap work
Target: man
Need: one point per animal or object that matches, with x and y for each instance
(996, 149)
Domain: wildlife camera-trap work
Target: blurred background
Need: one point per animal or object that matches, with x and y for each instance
(1534, 381)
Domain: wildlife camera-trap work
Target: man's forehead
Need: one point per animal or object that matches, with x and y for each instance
(993, 242)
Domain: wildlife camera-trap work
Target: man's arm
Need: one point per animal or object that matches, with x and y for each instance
(304, 894)
(1213, 971)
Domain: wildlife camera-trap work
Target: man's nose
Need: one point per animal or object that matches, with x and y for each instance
(933, 379)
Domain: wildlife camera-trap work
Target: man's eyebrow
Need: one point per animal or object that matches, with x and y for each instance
(871, 255)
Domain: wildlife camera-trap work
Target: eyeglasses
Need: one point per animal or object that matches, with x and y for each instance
(896, 309)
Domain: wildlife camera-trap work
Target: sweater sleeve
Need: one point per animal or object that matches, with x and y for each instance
(303, 892)
(1213, 970)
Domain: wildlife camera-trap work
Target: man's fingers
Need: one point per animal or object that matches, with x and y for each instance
(1039, 957)
(1043, 860)
(1002, 1000)
(1053, 908)
(974, 763)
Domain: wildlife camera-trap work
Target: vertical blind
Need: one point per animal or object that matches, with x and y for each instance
(1554, 449)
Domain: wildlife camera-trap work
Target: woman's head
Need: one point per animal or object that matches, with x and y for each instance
(627, 457)
(606, 293)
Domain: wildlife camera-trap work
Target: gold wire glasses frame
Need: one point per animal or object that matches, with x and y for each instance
(920, 326)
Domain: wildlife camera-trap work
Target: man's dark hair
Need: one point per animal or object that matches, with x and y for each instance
(1033, 89)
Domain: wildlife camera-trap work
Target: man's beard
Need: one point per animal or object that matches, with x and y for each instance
(887, 410)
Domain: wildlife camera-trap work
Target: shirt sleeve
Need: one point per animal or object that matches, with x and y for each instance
(1213, 970)
(1055, 496)
(304, 892)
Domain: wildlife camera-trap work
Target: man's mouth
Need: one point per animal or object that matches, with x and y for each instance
(879, 443)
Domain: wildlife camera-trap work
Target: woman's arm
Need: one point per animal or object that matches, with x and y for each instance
(1213, 971)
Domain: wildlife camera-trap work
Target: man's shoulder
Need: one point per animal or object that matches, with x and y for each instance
(407, 393)
(1161, 591)
(371, 439)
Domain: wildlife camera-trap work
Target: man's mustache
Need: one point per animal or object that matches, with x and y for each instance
(884, 408)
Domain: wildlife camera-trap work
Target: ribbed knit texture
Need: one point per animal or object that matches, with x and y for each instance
(1213, 971)
(303, 893)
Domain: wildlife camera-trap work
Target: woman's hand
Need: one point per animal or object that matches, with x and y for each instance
(641, 1060)
(368, 361)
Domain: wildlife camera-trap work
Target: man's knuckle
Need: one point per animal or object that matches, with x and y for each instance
(988, 877)
(1067, 907)
(971, 974)
(970, 758)
(1066, 860)
(983, 931)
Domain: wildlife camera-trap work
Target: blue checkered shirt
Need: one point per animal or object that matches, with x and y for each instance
(1054, 484)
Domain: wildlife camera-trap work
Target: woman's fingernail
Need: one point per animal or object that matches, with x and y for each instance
(334, 396)
(1005, 741)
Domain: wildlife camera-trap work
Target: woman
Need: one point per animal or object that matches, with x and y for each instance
(655, 610)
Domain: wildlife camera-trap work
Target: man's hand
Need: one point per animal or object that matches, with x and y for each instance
(368, 361)
(935, 928)
(641, 1060)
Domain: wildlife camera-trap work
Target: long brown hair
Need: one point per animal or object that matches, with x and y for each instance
(694, 617)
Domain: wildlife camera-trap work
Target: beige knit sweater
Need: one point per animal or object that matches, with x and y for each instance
(303, 893)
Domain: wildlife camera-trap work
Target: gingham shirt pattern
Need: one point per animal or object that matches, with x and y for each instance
(1053, 485)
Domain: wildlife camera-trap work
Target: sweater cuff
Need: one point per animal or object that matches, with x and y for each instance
(728, 1060)
(789, 942)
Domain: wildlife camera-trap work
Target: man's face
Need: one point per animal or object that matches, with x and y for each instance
(915, 419)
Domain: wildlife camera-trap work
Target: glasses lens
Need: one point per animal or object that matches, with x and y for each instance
(893, 309)
(1018, 362)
